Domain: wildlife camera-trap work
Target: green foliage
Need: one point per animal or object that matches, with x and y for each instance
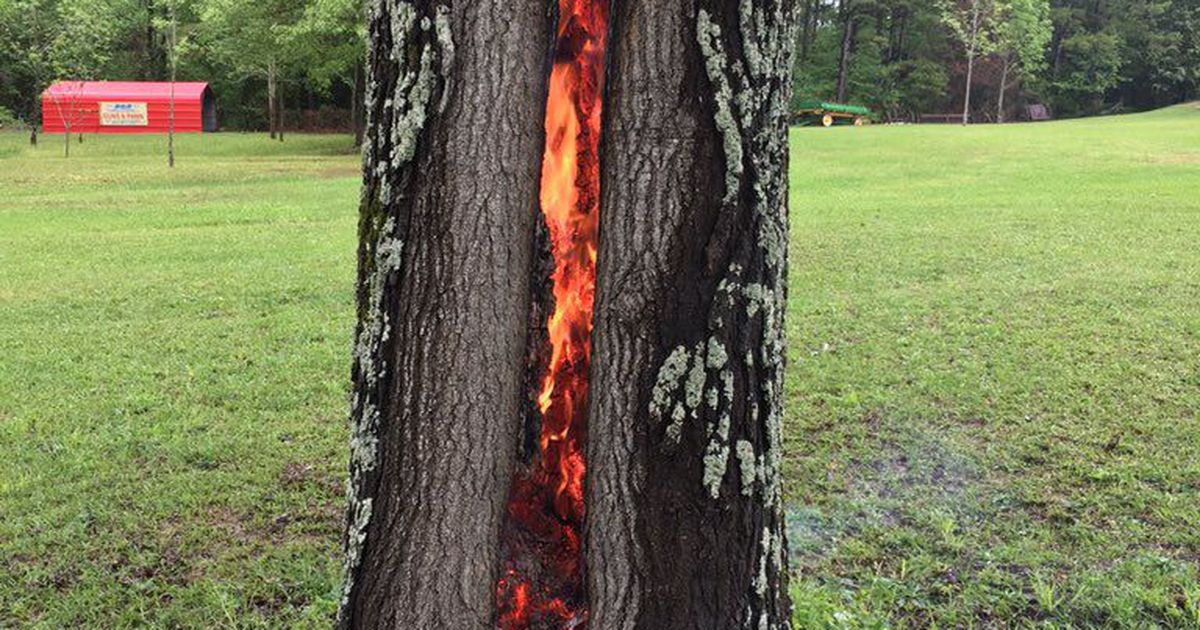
(313, 45)
(913, 86)
(1092, 68)
(1022, 34)
(330, 38)
(973, 23)
(8, 120)
(1081, 56)
(173, 381)
(250, 36)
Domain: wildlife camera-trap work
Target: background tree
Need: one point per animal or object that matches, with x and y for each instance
(973, 24)
(28, 30)
(900, 58)
(173, 62)
(330, 39)
(80, 47)
(255, 39)
(1023, 31)
(848, 14)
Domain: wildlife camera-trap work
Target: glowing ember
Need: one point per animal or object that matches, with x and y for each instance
(543, 583)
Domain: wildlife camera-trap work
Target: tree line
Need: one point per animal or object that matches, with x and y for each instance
(267, 60)
(263, 58)
(905, 58)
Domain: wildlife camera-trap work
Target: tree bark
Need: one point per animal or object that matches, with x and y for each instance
(1003, 88)
(35, 119)
(849, 25)
(272, 115)
(684, 495)
(966, 115)
(972, 48)
(173, 65)
(808, 27)
(452, 157)
(356, 103)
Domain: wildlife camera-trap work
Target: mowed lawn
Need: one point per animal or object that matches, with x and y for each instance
(992, 408)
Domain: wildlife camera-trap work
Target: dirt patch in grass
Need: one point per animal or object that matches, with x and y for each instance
(1174, 159)
(341, 170)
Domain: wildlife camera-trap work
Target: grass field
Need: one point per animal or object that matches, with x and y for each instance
(993, 395)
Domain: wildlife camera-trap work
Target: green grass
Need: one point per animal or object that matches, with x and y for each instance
(172, 381)
(993, 394)
(995, 374)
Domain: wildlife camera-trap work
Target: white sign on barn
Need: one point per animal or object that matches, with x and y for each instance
(123, 114)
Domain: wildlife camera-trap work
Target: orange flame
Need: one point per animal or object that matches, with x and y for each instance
(543, 583)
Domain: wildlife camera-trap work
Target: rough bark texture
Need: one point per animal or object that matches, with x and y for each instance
(272, 113)
(685, 515)
(1006, 64)
(357, 119)
(454, 101)
(849, 17)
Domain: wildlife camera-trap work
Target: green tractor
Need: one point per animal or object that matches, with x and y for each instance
(821, 113)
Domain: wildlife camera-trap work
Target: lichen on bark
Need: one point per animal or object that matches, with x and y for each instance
(405, 72)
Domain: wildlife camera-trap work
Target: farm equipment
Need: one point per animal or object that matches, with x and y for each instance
(814, 113)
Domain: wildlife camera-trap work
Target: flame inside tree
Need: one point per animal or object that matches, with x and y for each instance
(542, 581)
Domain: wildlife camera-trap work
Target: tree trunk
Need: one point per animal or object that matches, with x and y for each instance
(966, 115)
(972, 48)
(66, 138)
(808, 27)
(452, 156)
(1003, 88)
(356, 103)
(683, 490)
(279, 113)
(272, 114)
(848, 27)
(685, 506)
(171, 118)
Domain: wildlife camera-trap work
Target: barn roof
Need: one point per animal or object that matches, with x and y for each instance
(131, 90)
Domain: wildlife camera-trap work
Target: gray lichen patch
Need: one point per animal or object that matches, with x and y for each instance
(760, 580)
(410, 105)
(360, 516)
(709, 35)
(696, 378)
(371, 367)
(716, 461)
(747, 467)
(418, 60)
(669, 376)
(717, 357)
(445, 39)
(681, 390)
(746, 48)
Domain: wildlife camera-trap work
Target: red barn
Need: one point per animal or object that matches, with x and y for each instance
(127, 107)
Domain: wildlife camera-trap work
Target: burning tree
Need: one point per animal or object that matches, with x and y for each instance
(568, 372)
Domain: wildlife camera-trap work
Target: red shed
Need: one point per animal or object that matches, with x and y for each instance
(127, 107)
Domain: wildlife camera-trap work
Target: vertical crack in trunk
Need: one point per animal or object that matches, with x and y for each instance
(542, 578)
